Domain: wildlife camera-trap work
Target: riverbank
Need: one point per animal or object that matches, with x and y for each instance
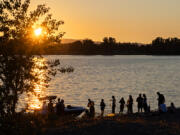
(135, 124)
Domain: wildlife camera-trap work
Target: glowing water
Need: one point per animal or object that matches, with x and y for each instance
(98, 77)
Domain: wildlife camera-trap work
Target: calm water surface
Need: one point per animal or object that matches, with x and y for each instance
(98, 77)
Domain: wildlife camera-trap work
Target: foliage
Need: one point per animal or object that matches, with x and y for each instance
(17, 23)
(109, 46)
(17, 40)
(109, 41)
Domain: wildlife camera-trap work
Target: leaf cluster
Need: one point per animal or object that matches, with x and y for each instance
(17, 62)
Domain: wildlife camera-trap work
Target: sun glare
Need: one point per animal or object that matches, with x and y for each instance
(38, 31)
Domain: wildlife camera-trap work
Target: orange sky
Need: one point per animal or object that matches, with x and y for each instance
(126, 20)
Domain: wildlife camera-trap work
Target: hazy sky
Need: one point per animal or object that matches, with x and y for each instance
(126, 20)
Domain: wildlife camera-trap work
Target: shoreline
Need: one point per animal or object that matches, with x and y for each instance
(126, 124)
(110, 54)
(152, 123)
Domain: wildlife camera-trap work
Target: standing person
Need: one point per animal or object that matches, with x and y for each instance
(130, 104)
(62, 107)
(122, 102)
(139, 100)
(92, 109)
(102, 106)
(161, 99)
(58, 107)
(145, 106)
(113, 104)
(50, 107)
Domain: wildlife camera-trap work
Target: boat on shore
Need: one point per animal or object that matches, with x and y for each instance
(74, 110)
(69, 110)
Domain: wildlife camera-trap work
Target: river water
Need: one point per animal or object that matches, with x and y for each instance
(98, 77)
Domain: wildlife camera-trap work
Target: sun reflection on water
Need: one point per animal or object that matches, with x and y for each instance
(40, 85)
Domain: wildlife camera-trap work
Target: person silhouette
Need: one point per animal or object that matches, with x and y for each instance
(122, 103)
(102, 107)
(145, 106)
(161, 99)
(89, 103)
(130, 104)
(113, 104)
(91, 107)
(172, 108)
(62, 107)
(139, 100)
(50, 107)
(58, 107)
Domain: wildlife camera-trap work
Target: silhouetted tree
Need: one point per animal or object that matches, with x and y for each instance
(109, 41)
(158, 41)
(16, 59)
(105, 40)
(109, 46)
(88, 42)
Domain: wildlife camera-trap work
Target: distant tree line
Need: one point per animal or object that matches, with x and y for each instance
(109, 46)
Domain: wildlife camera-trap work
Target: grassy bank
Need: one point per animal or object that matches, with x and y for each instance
(135, 124)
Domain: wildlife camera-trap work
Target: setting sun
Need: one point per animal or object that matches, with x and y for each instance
(38, 31)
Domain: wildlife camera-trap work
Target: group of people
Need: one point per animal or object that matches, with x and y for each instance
(162, 106)
(58, 109)
(141, 105)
